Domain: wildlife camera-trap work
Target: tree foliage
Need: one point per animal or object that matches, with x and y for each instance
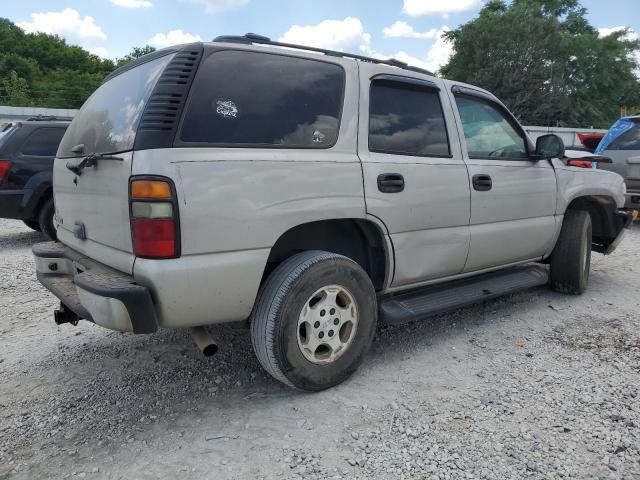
(544, 60)
(44, 71)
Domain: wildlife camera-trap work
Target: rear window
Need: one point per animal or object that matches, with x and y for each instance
(629, 140)
(43, 142)
(260, 99)
(108, 120)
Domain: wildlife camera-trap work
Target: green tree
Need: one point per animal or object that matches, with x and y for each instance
(137, 52)
(544, 60)
(14, 90)
(42, 70)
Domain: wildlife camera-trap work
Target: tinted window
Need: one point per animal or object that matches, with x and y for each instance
(263, 99)
(43, 142)
(108, 120)
(6, 129)
(629, 140)
(488, 131)
(406, 119)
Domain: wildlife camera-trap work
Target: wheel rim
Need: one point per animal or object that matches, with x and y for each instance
(327, 324)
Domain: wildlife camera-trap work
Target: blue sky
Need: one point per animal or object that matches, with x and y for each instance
(406, 29)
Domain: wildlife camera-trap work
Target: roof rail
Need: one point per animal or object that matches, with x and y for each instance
(251, 38)
(48, 118)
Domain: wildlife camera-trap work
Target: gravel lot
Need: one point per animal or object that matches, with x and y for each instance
(535, 385)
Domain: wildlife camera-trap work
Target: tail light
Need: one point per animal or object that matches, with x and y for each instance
(580, 163)
(5, 165)
(155, 225)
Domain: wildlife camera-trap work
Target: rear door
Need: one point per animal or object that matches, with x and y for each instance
(92, 208)
(513, 198)
(414, 177)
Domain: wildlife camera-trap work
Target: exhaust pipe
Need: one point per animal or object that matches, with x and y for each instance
(204, 341)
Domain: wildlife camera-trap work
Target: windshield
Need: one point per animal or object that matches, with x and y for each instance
(108, 120)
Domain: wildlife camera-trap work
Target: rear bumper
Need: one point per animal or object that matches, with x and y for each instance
(94, 291)
(632, 200)
(10, 204)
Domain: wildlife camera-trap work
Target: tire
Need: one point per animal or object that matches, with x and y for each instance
(571, 258)
(284, 345)
(45, 220)
(32, 224)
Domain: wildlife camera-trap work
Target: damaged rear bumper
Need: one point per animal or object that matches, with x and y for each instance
(94, 291)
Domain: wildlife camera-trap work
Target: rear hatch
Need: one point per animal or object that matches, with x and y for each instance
(92, 206)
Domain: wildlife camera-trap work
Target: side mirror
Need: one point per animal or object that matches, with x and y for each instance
(549, 146)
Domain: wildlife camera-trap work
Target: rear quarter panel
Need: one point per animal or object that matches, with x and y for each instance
(234, 203)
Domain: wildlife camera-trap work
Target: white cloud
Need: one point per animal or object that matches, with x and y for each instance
(403, 29)
(68, 24)
(344, 35)
(606, 31)
(173, 37)
(416, 8)
(132, 3)
(99, 51)
(215, 6)
(437, 56)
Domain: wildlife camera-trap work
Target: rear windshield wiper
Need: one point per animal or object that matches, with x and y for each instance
(90, 160)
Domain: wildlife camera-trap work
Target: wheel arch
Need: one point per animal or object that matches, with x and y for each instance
(362, 240)
(606, 223)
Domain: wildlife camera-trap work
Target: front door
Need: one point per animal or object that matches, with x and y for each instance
(415, 180)
(513, 198)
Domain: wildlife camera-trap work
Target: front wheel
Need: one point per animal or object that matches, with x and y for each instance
(571, 258)
(314, 320)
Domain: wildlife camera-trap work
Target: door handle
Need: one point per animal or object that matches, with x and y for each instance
(482, 182)
(390, 182)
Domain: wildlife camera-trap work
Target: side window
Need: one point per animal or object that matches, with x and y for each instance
(406, 119)
(260, 99)
(629, 140)
(43, 142)
(488, 131)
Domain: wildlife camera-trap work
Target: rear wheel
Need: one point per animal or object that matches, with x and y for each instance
(45, 220)
(571, 259)
(314, 320)
(32, 224)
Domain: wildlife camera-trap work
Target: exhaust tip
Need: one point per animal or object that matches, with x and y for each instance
(210, 350)
(204, 341)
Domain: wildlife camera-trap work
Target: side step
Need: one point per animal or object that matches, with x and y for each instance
(429, 301)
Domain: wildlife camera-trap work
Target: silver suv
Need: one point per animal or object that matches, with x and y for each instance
(311, 192)
(622, 145)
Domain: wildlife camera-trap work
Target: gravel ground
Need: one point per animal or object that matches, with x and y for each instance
(535, 385)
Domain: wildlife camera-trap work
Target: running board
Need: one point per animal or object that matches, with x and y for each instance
(429, 301)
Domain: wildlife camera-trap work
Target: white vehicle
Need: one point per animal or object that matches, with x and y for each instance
(313, 193)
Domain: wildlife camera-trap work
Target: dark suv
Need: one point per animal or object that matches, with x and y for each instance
(27, 150)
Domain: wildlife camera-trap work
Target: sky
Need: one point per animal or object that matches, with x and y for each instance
(408, 30)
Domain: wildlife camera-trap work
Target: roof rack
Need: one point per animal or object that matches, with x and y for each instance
(48, 118)
(251, 38)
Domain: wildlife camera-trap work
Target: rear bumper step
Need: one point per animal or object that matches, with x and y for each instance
(424, 303)
(94, 291)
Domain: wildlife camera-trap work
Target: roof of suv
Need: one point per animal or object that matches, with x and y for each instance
(255, 39)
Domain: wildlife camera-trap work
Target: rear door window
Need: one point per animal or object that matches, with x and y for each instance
(406, 119)
(629, 140)
(260, 99)
(43, 142)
